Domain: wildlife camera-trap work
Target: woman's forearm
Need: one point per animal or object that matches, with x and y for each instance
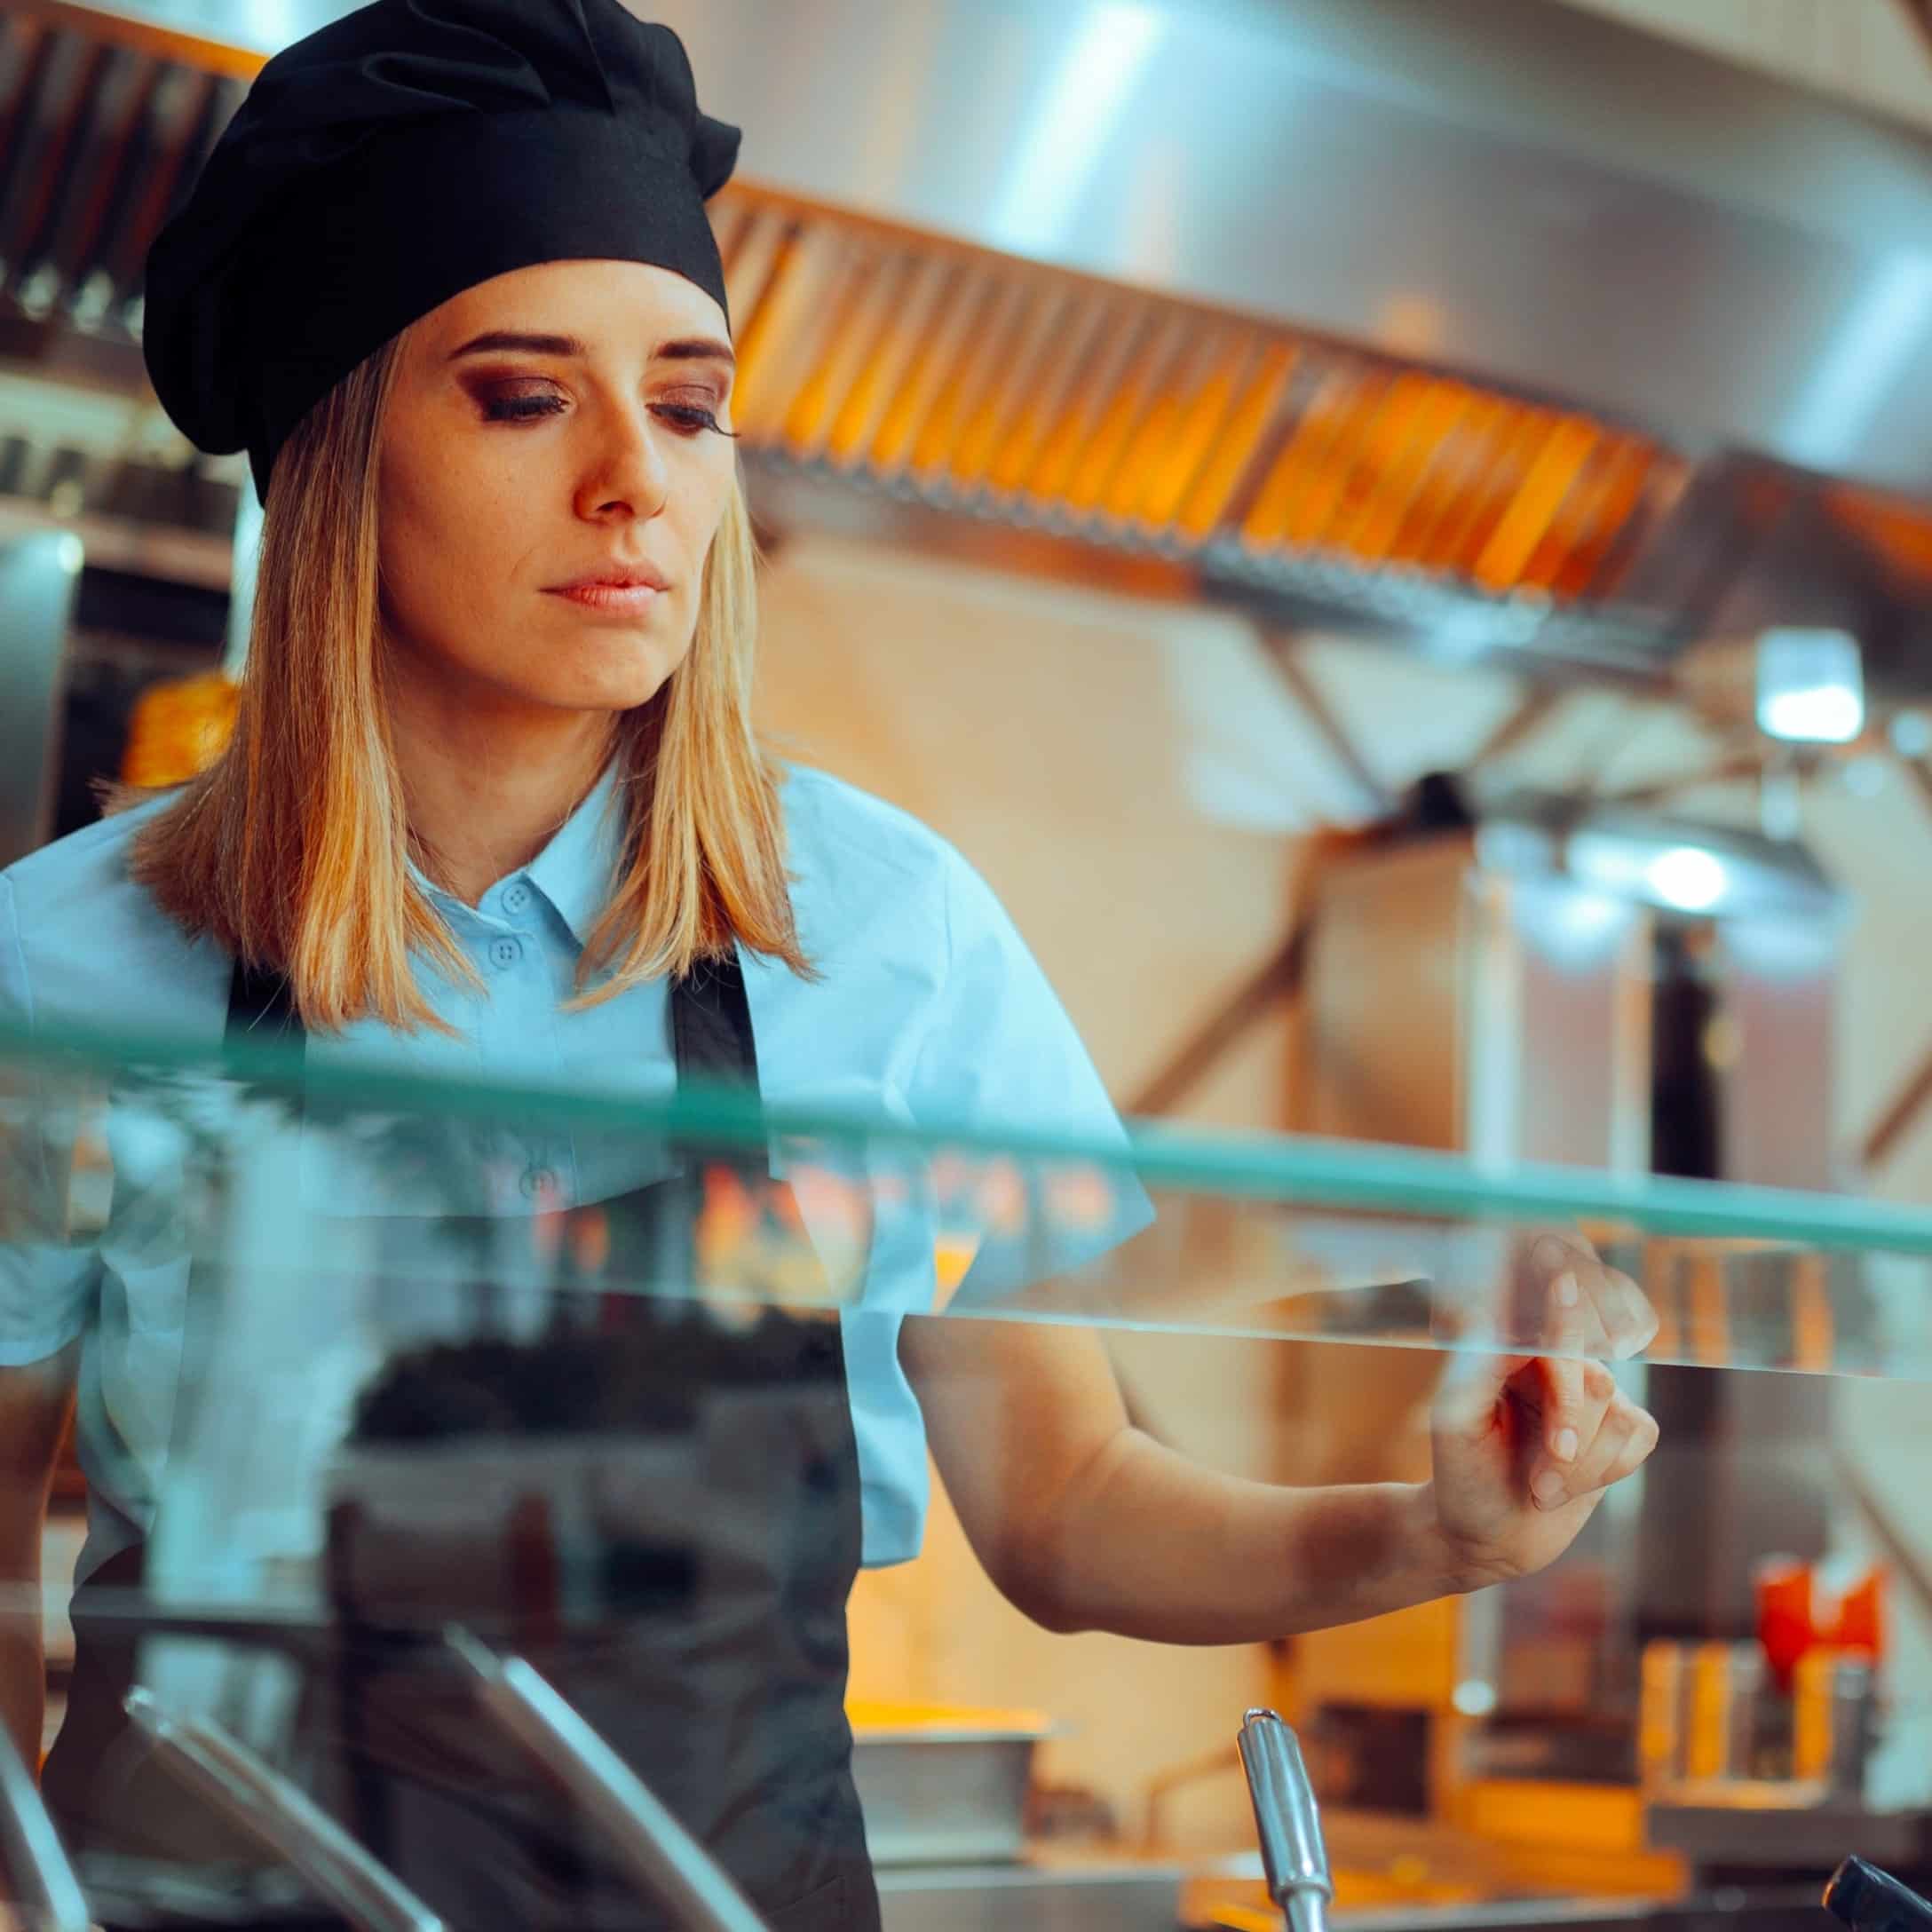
(1156, 1547)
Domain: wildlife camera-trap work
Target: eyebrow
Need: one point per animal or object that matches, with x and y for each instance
(498, 341)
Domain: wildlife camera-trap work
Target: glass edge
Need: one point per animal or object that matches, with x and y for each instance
(1290, 1168)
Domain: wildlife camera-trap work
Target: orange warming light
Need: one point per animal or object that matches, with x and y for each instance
(179, 729)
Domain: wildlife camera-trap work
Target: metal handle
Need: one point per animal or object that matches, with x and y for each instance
(231, 1777)
(1293, 1857)
(671, 1865)
(44, 1880)
(1869, 1900)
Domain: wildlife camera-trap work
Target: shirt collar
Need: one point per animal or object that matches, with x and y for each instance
(577, 871)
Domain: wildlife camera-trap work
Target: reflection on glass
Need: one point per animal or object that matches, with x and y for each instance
(379, 1377)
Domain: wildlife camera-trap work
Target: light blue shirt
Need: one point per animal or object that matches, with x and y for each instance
(928, 1010)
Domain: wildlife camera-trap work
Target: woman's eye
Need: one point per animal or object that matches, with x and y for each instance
(522, 408)
(690, 417)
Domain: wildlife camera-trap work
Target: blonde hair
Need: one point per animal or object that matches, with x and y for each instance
(292, 850)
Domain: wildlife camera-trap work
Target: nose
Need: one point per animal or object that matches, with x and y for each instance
(627, 479)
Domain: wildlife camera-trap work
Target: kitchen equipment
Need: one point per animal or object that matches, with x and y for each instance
(1698, 1712)
(1803, 1606)
(1662, 1713)
(1108, 1896)
(1834, 1698)
(42, 1880)
(669, 1864)
(1721, 1735)
(234, 1780)
(1778, 1826)
(1294, 1857)
(943, 1786)
(1704, 1721)
(1870, 1900)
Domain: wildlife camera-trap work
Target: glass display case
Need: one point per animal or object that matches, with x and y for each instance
(477, 1470)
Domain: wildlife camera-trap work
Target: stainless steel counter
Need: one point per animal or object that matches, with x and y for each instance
(1140, 1898)
(1790, 1837)
(1032, 1898)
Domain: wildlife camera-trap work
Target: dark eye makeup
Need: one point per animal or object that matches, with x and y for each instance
(502, 406)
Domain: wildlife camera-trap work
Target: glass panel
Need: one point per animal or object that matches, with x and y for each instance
(383, 1383)
(481, 1203)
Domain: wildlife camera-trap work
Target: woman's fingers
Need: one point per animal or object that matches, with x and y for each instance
(1624, 1438)
(1613, 1319)
(1577, 1398)
(1564, 1394)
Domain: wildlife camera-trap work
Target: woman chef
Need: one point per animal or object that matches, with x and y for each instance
(494, 800)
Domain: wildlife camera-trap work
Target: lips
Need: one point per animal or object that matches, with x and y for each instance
(627, 592)
(640, 578)
(612, 600)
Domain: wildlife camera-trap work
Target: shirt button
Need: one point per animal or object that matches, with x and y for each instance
(538, 1181)
(515, 898)
(505, 953)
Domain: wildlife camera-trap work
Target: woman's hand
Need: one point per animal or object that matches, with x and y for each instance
(1526, 1444)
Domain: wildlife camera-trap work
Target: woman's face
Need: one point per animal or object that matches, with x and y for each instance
(547, 431)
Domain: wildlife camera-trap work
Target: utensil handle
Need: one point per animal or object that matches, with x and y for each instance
(44, 1880)
(266, 1805)
(1293, 1856)
(671, 1863)
(1869, 1900)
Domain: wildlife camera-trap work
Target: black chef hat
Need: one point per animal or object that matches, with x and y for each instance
(407, 152)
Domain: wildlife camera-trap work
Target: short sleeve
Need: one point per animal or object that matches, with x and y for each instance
(1000, 1056)
(46, 1281)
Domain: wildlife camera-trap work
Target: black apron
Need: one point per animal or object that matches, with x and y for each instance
(716, 1661)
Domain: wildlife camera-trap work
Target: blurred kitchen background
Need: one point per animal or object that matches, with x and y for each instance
(1398, 533)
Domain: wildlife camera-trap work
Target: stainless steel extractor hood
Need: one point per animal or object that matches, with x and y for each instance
(1498, 325)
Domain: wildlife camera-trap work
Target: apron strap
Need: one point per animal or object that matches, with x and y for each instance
(711, 1035)
(259, 997)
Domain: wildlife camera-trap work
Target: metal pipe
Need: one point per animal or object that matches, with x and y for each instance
(266, 1805)
(1293, 1856)
(44, 1882)
(671, 1865)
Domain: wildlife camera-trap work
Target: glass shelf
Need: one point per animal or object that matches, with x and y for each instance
(247, 1160)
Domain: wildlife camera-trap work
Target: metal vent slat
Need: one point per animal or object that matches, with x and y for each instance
(911, 294)
(1004, 403)
(1210, 502)
(59, 169)
(1581, 512)
(32, 57)
(1070, 354)
(1122, 322)
(112, 188)
(53, 71)
(1155, 452)
(786, 328)
(200, 112)
(1198, 418)
(849, 286)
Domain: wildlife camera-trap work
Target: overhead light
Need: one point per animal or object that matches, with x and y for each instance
(1681, 877)
(1688, 877)
(1810, 687)
(1627, 855)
